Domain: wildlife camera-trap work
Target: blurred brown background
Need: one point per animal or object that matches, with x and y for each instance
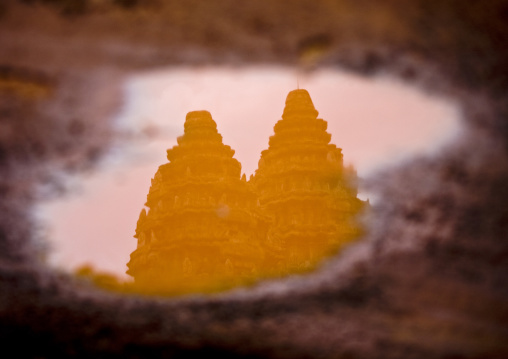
(429, 281)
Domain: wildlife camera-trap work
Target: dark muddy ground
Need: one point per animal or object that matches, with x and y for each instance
(429, 281)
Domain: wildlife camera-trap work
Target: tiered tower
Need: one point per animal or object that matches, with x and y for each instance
(305, 190)
(204, 228)
(207, 229)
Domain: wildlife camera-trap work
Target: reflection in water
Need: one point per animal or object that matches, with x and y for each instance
(374, 121)
(208, 228)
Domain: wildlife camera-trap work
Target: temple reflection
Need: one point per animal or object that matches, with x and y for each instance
(208, 228)
(376, 121)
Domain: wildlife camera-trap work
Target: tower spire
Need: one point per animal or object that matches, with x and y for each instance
(301, 186)
(203, 220)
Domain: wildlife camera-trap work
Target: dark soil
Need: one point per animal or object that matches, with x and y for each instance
(430, 280)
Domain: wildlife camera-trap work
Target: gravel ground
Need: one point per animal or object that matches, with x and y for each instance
(428, 281)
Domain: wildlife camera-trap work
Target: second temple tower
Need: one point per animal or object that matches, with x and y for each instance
(304, 189)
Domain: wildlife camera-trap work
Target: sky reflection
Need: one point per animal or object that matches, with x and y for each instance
(376, 122)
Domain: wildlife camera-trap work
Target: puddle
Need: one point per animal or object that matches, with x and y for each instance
(376, 122)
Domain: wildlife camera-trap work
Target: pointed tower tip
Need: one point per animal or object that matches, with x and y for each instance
(300, 96)
(298, 91)
(199, 119)
(299, 101)
(197, 114)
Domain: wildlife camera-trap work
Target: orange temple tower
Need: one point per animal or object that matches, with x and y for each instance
(207, 228)
(204, 228)
(305, 189)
